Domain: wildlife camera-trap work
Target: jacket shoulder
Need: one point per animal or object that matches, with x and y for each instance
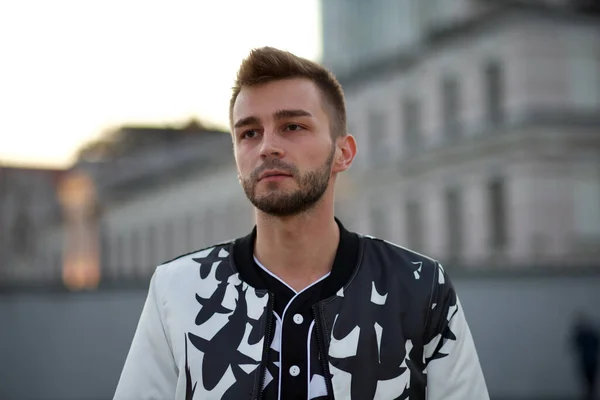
(204, 259)
(213, 252)
(395, 256)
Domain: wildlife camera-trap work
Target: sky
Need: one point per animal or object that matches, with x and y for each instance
(72, 69)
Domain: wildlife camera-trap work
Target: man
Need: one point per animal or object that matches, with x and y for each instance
(585, 340)
(301, 308)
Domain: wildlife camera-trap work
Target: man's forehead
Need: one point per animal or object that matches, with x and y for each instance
(266, 99)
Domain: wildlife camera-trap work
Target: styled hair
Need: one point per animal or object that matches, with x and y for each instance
(268, 64)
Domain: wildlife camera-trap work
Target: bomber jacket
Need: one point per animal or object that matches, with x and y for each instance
(390, 327)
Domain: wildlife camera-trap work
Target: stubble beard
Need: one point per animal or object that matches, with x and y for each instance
(280, 203)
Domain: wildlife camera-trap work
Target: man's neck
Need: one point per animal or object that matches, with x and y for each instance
(299, 249)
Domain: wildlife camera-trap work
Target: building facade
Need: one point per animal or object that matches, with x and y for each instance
(131, 202)
(478, 130)
(30, 225)
(176, 194)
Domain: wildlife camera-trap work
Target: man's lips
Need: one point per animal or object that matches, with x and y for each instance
(273, 175)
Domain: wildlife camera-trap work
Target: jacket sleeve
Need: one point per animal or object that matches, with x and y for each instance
(150, 371)
(452, 363)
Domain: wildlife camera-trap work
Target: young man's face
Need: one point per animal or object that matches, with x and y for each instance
(283, 146)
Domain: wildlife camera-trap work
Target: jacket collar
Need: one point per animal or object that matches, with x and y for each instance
(344, 264)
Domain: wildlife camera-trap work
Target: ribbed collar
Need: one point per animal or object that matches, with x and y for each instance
(345, 262)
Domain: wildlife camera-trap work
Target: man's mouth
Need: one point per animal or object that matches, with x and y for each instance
(273, 175)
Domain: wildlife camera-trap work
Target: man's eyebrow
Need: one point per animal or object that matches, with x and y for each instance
(246, 121)
(279, 114)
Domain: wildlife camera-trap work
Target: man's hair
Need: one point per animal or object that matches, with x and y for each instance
(268, 64)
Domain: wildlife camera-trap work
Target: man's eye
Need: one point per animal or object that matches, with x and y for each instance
(293, 127)
(249, 134)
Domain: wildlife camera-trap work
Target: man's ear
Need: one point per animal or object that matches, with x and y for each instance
(344, 153)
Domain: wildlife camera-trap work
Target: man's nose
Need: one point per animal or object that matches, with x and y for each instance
(271, 145)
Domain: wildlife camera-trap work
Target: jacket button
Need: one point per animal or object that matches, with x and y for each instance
(294, 370)
(298, 319)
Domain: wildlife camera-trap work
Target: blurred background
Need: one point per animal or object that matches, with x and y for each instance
(478, 124)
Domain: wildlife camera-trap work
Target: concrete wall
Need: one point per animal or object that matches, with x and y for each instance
(72, 346)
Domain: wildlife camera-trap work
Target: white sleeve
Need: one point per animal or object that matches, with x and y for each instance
(150, 371)
(453, 368)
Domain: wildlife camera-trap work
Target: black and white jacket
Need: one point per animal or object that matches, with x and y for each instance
(390, 327)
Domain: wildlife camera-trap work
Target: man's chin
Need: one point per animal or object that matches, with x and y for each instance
(280, 212)
(278, 206)
(271, 201)
(278, 193)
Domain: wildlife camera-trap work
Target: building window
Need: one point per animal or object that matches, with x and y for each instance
(189, 232)
(135, 252)
(587, 206)
(118, 254)
(414, 227)
(104, 248)
(126, 256)
(451, 107)
(378, 220)
(411, 122)
(584, 80)
(22, 234)
(498, 215)
(425, 14)
(350, 129)
(343, 212)
(57, 261)
(168, 240)
(209, 227)
(454, 224)
(152, 245)
(494, 92)
(377, 138)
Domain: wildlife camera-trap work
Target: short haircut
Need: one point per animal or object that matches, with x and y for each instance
(268, 64)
